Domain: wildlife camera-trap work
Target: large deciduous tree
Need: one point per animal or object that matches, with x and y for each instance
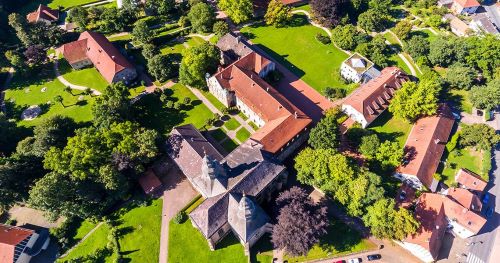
(486, 97)
(325, 134)
(197, 62)
(142, 33)
(35, 54)
(161, 67)
(484, 54)
(238, 10)
(202, 18)
(385, 221)
(300, 224)
(403, 29)
(461, 76)
(112, 106)
(277, 14)
(160, 7)
(348, 37)
(371, 21)
(389, 154)
(369, 146)
(480, 136)
(417, 46)
(9, 135)
(415, 100)
(327, 12)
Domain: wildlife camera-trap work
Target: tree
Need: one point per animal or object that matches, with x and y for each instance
(484, 54)
(161, 67)
(80, 16)
(363, 192)
(238, 10)
(347, 37)
(327, 12)
(415, 100)
(35, 55)
(403, 29)
(461, 76)
(220, 28)
(371, 21)
(486, 97)
(112, 106)
(324, 135)
(160, 7)
(480, 136)
(149, 51)
(446, 50)
(369, 146)
(277, 14)
(142, 33)
(417, 46)
(385, 221)
(376, 50)
(9, 135)
(380, 7)
(389, 154)
(300, 222)
(202, 18)
(197, 62)
(59, 99)
(334, 93)
(20, 25)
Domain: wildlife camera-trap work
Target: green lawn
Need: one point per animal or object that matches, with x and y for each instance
(25, 91)
(303, 7)
(461, 98)
(395, 60)
(243, 116)
(87, 77)
(195, 41)
(186, 244)
(340, 240)
(242, 134)
(296, 48)
(467, 158)
(126, 37)
(229, 145)
(253, 125)
(84, 228)
(391, 38)
(425, 33)
(153, 114)
(139, 229)
(213, 100)
(391, 128)
(33, 5)
(218, 134)
(232, 124)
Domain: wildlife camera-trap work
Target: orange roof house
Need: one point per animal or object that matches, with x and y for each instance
(94, 48)
(368, 101)
(469, 180)
(436, 213)
(465, 7)
(424, 148)
(43, 14)
(13, 241)
(241, 84)
(149, 182)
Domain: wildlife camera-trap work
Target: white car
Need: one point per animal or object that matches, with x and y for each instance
(354, 260)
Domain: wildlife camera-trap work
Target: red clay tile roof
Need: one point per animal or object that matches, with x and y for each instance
(470, 180)
(425, 145)
(373, 97)
(43, 12)
(465, 198)
(105, 57)
(292, 2)
(283, 121)
(10, 236)
(467, 3)
(149, 182)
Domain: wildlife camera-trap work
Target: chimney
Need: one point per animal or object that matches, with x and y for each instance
(238, 39)
(192, 139)
(280, 107)
(267, 89)
(437, 141)
(113, 57)
(295, 114)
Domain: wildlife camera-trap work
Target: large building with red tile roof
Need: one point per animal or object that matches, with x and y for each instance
(457, 210)
(43, 14)
(93, 48)
(469, 180)
(19, 245)
(241, 85)
(371, 99)
(424, 147)
(465, 7)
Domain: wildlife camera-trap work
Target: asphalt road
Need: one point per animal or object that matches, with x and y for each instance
(483, 246)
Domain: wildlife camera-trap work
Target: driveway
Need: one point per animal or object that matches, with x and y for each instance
(178, 193)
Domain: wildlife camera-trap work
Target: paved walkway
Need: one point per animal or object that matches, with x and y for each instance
(178, 193)
(98, 3)
(67, 83)
(83, 239)
(205, 37)
(409, 63)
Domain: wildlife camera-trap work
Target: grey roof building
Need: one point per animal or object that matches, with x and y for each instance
(233, 47)
(233, 186)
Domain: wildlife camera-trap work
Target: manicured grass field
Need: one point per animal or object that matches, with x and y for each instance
(303, 7)
(126, 37)
(467, 158)
(426, 33)
(213, 100)
(153, 114)
(296, 48)
(391, 38)
(243, 116)
(391, 128)
(253, 125)
(218, 134)
(87, 77)
(33, 5)
(25, 91)
(186, 244)
(242, 134)
(339, 240)
(395, 60)
(195, 41)
(139, 229)
(85, 227)
(232, 124)
(461, 98)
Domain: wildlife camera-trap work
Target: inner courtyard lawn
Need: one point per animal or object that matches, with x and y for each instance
(466, 158)
(391, 128)
(232, 124)
(139, 234)
(242, 134)
(296, 48)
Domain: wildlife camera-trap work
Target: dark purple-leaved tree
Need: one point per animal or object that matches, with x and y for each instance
(328, 12)
(301, 223)
(35, 54)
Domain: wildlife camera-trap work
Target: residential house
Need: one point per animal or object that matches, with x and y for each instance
(357, 68)
(482, 24)
(233, 186)
(282, 126)
(43, 14)
(457, 26)
(456, 210)
(92, 48)
(371, 99)
(470, 181)
(464, 7)
(424, 147)
(19, 244)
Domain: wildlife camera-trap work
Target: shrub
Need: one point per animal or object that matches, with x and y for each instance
(486, 165)
(11, 222)
(334, 93)
(177, 105)
(438, 177)
(452, 144)
(170, 104)
(187, 100)
(180, 217)
(323, 39)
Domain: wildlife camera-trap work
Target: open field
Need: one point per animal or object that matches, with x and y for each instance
(315, 63)
(87, 77)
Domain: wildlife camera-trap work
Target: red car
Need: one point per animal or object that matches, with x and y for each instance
(339, 261)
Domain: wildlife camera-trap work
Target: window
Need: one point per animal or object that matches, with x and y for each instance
(220, 232)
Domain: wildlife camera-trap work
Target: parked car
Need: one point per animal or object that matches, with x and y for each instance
(340, 261)
(374, 257)
(486, 198)
(489, 212)
(354, 260)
